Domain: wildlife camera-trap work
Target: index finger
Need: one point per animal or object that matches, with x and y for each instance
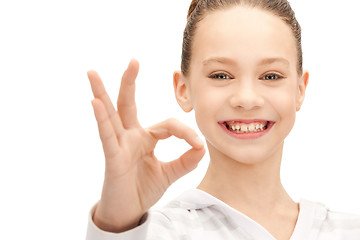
(173, 127)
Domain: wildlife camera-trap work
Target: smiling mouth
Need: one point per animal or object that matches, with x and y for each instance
(247, 127)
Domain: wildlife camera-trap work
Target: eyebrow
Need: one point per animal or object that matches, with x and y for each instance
(222, 60)
(229, 61)
(268, 61)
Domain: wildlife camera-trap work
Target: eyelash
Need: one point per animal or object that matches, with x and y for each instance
(216, 76)
(277, 77)
(227, 76)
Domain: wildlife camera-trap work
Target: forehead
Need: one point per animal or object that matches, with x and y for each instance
(245, 34)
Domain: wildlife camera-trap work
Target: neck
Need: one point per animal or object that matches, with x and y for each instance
(246, 187)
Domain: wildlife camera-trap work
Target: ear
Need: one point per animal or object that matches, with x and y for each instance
(303, 82)
(182, 91)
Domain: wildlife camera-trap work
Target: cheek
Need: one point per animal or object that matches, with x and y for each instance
(283, 97)
(284, 102)
(207, 103)
(207, 99)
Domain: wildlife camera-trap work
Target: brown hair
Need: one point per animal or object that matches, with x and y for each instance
(199, 8)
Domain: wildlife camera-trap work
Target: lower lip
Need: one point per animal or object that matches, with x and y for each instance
(253, 135)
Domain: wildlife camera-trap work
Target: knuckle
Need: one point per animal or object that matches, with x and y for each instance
(112, 155)
(172, 121)
(106, 137)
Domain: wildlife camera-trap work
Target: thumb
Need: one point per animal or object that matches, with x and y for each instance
(190, 159)
(184, 164)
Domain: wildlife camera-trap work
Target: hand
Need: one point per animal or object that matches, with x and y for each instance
(134, 178)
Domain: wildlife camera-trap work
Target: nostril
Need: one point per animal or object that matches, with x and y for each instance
(247, 98)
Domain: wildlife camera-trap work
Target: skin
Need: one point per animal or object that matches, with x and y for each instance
(134, 178)
(245, 173)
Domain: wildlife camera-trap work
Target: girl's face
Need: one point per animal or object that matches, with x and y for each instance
(243, 83)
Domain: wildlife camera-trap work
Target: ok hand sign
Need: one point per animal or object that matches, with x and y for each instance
(134, 178)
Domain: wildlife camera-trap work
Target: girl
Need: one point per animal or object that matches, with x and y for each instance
(242, 74)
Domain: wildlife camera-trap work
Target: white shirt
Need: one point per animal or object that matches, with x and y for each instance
(196, 215)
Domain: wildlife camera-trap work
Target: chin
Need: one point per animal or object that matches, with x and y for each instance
(250, 159)
(246, 155)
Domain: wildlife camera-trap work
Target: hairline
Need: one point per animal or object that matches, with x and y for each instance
(203, 14)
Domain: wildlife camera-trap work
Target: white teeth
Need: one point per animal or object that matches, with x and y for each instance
(246, 128)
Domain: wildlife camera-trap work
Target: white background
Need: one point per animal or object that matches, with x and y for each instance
(51, 160)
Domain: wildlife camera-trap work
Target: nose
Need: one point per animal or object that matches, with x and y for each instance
(246, 96)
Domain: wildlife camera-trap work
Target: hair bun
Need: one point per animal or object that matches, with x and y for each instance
(192, 7)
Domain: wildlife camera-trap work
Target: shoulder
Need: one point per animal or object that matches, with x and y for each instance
(333, 225)
(342, 223)
(177, 220)
(186, 212)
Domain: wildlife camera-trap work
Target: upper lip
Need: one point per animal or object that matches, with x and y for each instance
(247, 121)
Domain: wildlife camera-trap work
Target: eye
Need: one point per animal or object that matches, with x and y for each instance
(272, 77)
(220, 76)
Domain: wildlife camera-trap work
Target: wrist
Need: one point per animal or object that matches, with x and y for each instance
(111, 224)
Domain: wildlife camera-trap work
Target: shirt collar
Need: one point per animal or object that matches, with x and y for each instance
(196, 199)
(310, 217)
